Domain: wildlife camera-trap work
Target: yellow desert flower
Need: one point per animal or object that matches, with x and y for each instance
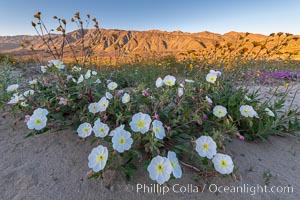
(258, 73)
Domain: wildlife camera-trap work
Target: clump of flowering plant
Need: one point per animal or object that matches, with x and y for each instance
(159, 123)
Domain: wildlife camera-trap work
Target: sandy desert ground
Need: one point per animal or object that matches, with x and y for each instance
(54, 165)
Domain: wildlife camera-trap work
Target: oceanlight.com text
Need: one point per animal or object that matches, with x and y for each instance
(212, 188)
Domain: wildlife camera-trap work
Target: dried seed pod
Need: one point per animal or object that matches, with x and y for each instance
(37, 15)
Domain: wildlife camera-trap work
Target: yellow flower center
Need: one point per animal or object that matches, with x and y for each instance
(38, 121)
(212, 78)
(85, 129)
(205, 146)
(169, 82)
(122, 140)
(104, 105)
(246, 111)
(101, 130)
(140, 124)
(157, 130)
(223, 163)
(94, 107)
(57, 65)
(100, 158)
(220, 112)
(159, 168)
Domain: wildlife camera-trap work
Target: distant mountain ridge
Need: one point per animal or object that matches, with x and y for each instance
(128, 42)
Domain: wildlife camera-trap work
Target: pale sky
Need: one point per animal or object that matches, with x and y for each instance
(220, 16)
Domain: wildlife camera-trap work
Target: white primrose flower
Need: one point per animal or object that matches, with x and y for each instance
(112, 85)
(125, 98)
(180, 91)
(158, 82)
(160, 169)
(80, 79)
(28, 93)
(223, 163)
(44, 69)
(94, 73)
(108, 95)
(217, 73)
(103, 104)
(12, 88)
(98, 81)
(219, 111)
(98, 158)
(140, 122)
(37, 122)
(269, 112)
(100, 129)
(189, 81)
(177, 171)
(13, 100)
(84, 130)
(158, 129)
(21, 97)
(206, 147)
(122, 140)
(94, 107)
(208, 100)
(248, 111)
(16, 98)
(87, 74)
(57, 63)
(117, 130)
(76, 69)
(40, 111)
(33, 82)
(211, 78)
(169, 80)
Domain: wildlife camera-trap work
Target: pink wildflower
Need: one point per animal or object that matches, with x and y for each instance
(63, 101)
(145, 93)
(27, 118)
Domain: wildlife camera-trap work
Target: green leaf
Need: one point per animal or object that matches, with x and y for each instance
(57, 116)
(183, 148)
(94, 175)
(132, 166)
(205, 161)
